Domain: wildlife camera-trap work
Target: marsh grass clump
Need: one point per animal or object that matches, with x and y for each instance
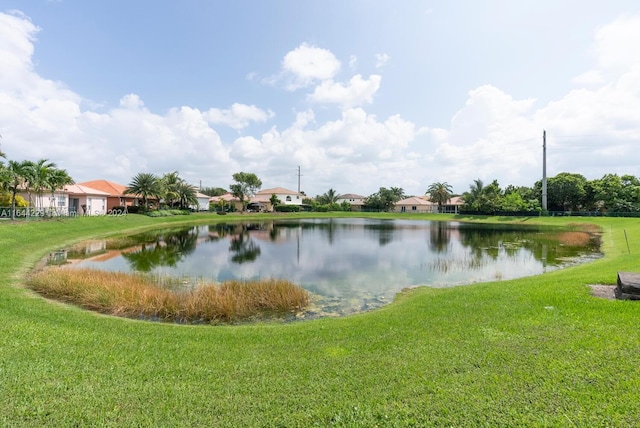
(138, 296)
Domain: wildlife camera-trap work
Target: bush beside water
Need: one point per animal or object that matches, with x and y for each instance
(138, 296)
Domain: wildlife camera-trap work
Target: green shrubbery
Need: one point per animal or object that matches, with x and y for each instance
(287, 208)
(167, 213)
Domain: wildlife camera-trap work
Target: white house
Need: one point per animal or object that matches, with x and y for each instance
(85, 200)
(73, 199)
(203, 202)
(285, 196)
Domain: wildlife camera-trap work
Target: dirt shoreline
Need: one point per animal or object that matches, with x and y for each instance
(603, 291)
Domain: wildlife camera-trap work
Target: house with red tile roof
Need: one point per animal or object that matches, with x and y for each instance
(115, 191)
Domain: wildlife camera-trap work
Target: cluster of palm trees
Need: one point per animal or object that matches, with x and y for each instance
(33, 178)
(174, 191)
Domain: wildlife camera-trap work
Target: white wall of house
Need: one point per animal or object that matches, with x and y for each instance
(47, 203)
(203, 203)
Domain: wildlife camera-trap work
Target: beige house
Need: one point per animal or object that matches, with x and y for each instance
(422, 204)
(227, 200)
(415, 205)
(356, 201)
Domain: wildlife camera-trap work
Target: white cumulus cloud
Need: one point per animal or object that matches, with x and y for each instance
(359, 91)
(307, 64)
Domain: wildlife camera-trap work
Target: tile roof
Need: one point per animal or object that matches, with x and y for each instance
(79, 189)
(278, 191)
(109, 187)
(414, 201)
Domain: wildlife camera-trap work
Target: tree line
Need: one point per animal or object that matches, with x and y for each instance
(566, 192)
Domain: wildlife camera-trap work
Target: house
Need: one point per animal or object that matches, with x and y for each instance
(414, 204)
(203, 202)
(262, 199)
(227, 200)
(116, 196)
(73, 199)
(356, 201)
(422, 204)
(453, 205)
(285, 196)
(84, 200)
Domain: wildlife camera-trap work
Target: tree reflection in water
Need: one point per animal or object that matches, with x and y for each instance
(168, 249)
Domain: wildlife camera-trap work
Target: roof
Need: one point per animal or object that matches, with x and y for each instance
(202, 196)
(414, 201)
(78, 189)
(351, 196)
(455, 200)
(228, 197)
(278, 191)
(109, 187)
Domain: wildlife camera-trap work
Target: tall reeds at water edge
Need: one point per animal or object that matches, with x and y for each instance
(137, 296)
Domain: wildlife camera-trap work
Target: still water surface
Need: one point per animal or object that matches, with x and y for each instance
(350, 265)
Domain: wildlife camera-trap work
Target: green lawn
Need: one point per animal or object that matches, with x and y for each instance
(538, 351)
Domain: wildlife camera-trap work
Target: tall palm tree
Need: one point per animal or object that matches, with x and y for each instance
(41, 174)
(440, 193)
(146, 185)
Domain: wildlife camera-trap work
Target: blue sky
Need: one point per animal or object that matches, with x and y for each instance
(359, 94)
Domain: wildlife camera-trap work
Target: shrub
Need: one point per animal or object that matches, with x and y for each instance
(287, 208)
(167, 213)
(138, 296)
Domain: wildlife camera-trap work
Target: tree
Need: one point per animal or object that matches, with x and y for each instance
(384, 199)
(39, 177)
(566, 191)
(483, 199)
(146, 185)
(213, 191)
(170, 183)
(439, 193)
(15, 176)
(328, 198)
(274, 201)
(186, 194)
(245, 187)
(57, 179)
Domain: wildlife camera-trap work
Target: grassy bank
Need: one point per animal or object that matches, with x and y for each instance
(537, 351)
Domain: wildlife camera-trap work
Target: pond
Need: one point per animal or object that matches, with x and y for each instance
(349, 265)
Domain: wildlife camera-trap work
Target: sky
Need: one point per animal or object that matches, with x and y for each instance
(350, 95)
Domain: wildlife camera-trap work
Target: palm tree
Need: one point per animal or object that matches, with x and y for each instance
(473, 199)
(57, 179)
(331, 196)
(186, 194)
(274, 201)
(440, 193)
(170, 183)
(146, 185)
(15, 176)
(41, 174)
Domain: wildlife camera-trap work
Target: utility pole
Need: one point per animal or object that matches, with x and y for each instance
(544, 170)
(298, 178)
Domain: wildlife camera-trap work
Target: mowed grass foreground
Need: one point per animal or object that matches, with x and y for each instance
(537, 351)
